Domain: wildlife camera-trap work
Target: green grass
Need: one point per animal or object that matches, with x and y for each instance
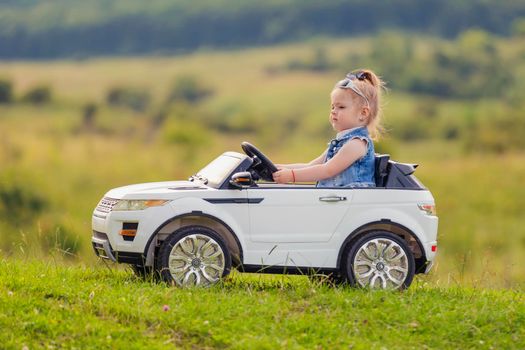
(51, 305)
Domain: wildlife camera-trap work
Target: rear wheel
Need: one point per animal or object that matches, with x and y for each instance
(380, 260)
(193, 256)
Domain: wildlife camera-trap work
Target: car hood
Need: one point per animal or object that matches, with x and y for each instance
(160, 190)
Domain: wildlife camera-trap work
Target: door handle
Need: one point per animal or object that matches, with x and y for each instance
(332, 199)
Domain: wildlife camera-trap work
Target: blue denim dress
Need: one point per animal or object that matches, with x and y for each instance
(361, 172)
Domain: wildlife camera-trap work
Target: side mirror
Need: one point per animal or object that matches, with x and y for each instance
(241, 179)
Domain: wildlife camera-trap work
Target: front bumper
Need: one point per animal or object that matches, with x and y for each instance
(102, 247)
(109, 226)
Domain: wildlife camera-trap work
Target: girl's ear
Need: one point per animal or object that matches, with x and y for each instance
(364, 114)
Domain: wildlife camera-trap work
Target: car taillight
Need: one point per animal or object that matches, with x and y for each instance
(429, 209)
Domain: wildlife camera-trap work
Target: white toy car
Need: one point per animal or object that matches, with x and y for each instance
(231, 214)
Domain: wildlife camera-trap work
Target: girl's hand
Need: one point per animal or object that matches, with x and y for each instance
(283, 176)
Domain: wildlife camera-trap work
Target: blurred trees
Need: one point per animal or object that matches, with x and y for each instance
(75, 28)
(468, 67)
(445, 85)
(498, 133)
(6, 91)
(135, 99)
(189, 89)
(473, 70)
(319, 62)
(19, 205)
(518, 27)
(38, 95)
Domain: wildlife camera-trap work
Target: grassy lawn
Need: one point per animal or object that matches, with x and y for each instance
(53, 305)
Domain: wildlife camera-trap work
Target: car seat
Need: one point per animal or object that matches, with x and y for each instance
(381, 169)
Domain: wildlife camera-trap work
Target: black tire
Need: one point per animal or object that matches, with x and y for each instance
(381, 260)
(183, 249)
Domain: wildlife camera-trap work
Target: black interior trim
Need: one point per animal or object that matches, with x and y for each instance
(234, 200)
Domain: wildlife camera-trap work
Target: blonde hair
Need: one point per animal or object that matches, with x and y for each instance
(371, 86)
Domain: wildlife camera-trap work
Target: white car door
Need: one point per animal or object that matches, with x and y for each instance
(296, 214)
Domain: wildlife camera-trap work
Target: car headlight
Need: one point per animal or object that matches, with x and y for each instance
(133, 204)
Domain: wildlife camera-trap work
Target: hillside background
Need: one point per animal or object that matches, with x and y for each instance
(75, 28)
(99, 94)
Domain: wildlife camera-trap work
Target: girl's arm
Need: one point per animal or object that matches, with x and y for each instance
(318, 160)
(348, 154)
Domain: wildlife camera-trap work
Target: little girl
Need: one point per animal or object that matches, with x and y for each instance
(349, 159)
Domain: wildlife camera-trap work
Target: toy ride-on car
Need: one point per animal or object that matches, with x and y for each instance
(231, 214)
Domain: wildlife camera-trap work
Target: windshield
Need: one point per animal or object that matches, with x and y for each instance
(218, 169)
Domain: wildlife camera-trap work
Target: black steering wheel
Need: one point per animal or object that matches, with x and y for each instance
(261, 164)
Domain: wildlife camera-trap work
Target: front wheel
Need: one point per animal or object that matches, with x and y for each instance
(193, 256)
(380, 260)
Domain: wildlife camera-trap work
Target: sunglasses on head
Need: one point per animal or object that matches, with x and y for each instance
(348, 83)
(359, 75)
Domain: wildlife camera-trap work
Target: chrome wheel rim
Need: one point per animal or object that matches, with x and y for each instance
(380, 264)
(196, 260)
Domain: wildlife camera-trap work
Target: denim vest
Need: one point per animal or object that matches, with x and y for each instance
(361, 172)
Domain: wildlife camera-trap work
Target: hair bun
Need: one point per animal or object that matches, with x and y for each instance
(371, 77)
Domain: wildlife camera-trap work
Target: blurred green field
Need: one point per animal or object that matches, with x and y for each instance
(56, 163)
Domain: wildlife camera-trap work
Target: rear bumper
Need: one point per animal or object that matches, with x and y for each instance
(430, 255)
(429, 252)
(429, 267)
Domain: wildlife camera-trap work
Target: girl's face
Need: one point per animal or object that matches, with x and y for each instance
(346, 112)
